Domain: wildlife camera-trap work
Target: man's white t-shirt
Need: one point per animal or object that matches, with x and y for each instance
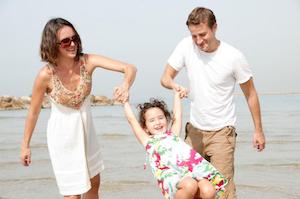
(212, 78)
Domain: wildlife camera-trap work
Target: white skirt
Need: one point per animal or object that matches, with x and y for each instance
(74, 151)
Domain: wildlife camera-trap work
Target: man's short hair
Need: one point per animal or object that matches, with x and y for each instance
(201, 15)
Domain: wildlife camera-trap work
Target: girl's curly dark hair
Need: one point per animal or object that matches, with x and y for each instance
(153, 103)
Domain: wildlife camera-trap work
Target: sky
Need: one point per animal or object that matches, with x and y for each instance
(144, 33)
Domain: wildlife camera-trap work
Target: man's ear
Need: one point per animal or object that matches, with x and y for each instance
(214, 28)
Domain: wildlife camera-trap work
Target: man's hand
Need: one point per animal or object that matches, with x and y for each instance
(183, 92)
(259, 141)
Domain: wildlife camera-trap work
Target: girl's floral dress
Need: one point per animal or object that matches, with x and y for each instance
(171, 160)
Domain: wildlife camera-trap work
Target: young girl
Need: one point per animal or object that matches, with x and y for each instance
(181, 172)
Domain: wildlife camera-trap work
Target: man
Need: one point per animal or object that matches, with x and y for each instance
(213, 69)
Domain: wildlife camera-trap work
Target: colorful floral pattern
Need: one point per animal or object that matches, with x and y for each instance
(71, 99)
(171, 159)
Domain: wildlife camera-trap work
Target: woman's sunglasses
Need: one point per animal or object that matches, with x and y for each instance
(66, 42)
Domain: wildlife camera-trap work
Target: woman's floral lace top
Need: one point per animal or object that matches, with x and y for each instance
(72, 99)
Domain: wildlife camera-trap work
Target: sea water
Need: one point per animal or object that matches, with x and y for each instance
(271, 174)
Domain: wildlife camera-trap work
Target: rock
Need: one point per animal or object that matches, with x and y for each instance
(11, 103)
(116, 103)
(4, 105)
(101, 100)
(26, 101)
(6, 98)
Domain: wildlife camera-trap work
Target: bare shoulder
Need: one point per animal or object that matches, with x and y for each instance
(41, 84)
(89, 58)
(85, 58)
(45, 73)
(89, 62)
(43, 77)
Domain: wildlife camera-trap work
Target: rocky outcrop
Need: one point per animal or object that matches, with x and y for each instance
(13, 103)
(10, 102)
(101, 100)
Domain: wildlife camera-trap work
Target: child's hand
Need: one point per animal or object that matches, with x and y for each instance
(180, 90)
(126, 103)
(121, 94)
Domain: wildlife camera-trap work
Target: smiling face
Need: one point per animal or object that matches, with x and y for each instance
(67, 51)
(155, 121)
(204, 36)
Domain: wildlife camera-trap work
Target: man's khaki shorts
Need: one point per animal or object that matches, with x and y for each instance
(218, 148)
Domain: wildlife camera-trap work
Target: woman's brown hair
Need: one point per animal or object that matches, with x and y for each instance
(49, 46)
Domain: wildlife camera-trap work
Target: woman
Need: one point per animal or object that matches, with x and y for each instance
(66, 80)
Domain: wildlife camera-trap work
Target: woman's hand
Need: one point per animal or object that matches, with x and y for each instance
(25, 155)
(121, 94)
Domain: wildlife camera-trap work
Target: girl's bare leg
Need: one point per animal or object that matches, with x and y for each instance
(206, 189)
(187, 188)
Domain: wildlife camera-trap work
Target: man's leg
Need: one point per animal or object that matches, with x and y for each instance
(194, 138)
(220, 147)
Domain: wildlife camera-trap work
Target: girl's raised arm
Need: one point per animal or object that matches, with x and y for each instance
(177, 113)
(139, 132)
